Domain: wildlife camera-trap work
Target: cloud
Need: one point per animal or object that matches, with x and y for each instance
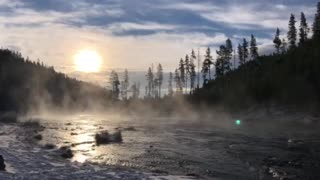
(27, 16)
(9, 3)
(243, 15)
(136, 33)
(148, 26)
(281, 6)
(196, 7)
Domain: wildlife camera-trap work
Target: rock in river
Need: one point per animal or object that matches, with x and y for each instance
(66, 152)
(105, 137)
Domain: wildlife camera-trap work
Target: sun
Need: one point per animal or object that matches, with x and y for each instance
(87, 61)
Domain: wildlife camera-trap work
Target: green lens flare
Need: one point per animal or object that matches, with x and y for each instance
(238, 122)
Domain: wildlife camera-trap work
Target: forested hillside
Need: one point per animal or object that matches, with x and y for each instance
(26, 85)
(289, 77)
(286, 78)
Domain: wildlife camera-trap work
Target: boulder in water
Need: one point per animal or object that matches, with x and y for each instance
(102, 137)
(116, 137)
(49, 146)
(105, 137)
(66, 152)
(2, 165)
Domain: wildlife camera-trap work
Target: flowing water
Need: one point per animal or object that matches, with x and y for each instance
(182, 147)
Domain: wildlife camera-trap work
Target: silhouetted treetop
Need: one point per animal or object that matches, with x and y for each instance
(292, 33)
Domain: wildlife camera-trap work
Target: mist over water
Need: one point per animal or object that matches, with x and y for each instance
(203, 144)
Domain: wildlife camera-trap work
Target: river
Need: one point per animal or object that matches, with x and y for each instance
(171, 147)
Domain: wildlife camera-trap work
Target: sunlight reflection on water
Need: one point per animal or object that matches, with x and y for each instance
(78, 157)
(153, 144)
(79, 134)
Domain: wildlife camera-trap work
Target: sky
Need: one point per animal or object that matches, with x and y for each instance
(134, 34)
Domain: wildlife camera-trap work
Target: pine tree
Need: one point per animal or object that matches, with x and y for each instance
(187, 71)
(223, 63)
(245, 49)
(304, 30)
(150, 82)
(253, 48)
(207, 63)
(219, 65)
(116, 84)
(125, 85)
(277, 41)
(240, 54)
(114, 81)
(198, 67)
(228, 56)
(193, 76)
(159, 77)
(204, 71)
(316, 24)
(170, 87)
(182, 73)
(192, 69)
(292, 33)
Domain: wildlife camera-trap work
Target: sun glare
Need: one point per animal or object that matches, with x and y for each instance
(87, 61)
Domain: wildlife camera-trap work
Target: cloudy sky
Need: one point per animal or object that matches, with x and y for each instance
(136, 33)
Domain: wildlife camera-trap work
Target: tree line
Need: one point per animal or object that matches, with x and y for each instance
(121, 89)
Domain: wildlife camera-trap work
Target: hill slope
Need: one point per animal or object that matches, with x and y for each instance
(26, 85)
(291, 78)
